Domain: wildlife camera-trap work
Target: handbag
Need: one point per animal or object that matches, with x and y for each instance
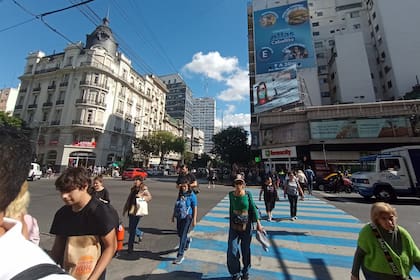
(81, 254)
(142, 207)
(239, 222)
(388, 257)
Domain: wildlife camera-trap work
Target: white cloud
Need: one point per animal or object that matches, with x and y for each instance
(224, 70)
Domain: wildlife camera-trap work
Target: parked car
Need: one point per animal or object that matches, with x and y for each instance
(133, 173)
(35, 172)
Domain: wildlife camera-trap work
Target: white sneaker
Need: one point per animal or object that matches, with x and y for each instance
(178, 260)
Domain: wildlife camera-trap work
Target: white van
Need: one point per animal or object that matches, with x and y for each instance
(35, 172)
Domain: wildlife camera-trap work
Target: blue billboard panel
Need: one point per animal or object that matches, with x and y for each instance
(282, 37)
(275, 90)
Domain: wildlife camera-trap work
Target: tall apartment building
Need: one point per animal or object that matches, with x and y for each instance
(204, 119)
(8, 98)
(88, 103)
(179, 102)
(365, 53)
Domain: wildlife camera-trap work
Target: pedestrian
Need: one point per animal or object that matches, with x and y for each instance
(81, 225)
(303, 181)
(212, 178)
(18, 210)
(385, 250)
(310, 176)
(139, 191)
(185, 212)
(186, 176)
(19, 257)
(269, 191)
(99, 191)
(292, 189)
(242, 214)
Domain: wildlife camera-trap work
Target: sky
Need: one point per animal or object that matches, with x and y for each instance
(203, 40)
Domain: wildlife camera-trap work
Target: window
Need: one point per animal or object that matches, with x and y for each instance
(355, 14)
(332, 31)
(319, 14)
(325, 94)
(356, 26)
(320, 55)
(96, 78)
(315, 24)
(316, 33)
(45, 115)
(331, 43)
(332, 76)
(389, 84)
(322, 68)
(89, 116)
(374, 15)
(376, 28)
(318, 44)
(349, 6)
(387, 68)
(383, 55)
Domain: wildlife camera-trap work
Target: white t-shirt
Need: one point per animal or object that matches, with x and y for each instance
(18, 254)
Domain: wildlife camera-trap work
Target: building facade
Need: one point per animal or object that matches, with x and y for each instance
(88, 103)
(204, 119)
(179, 102)
(8, 98)
(358, 69)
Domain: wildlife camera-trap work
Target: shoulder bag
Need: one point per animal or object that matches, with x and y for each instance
(142, 207)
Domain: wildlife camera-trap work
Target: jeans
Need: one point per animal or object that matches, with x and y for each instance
(182, 228)
(133, 221)
(293, 204)
(310, 187)
(239, 242)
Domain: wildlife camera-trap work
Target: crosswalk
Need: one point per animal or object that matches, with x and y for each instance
(319, 245)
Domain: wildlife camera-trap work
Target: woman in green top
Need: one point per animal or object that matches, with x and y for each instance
(242, 213)
(397, 241)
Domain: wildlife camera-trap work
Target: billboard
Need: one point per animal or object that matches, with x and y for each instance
(282, 37)
(361, 128)
(275, 90)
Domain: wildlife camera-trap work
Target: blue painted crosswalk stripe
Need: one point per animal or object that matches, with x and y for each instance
(319, 245)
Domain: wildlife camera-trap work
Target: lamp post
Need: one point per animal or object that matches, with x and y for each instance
(325, 154)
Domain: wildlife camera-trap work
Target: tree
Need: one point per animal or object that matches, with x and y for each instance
(5, 119)
(231, 145)
(160, 143)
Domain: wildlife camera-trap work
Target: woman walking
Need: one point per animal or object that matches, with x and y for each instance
(293, 189)
(138, 192)
(385, 250)
(242, 212)
(270, 195)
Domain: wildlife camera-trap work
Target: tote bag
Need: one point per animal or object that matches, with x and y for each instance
(81, 255)
(142, 207)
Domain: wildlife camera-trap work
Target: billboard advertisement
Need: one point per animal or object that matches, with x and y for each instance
(282, 37)
(361, 128)
(276, 89)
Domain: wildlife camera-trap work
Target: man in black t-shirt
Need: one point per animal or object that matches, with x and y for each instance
(186, 176)
(83, 216)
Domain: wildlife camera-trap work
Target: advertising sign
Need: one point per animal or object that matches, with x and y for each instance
(276, 89)
(286, 152)
(282, 37)
(360, 128)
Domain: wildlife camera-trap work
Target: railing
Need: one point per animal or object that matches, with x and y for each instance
(32, 106)
(90, 102)
(93, 84)
(55, 123)
(17, 107)
(59, 102)
(64, 84)
(47, 104)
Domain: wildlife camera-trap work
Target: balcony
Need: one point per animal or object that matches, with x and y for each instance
(47, 104)
(119, 111)
(59, 102)
(51, 87)
(87, 124)
(55, 123)
(64, 84)
(117, 129)
(18, 107)
(102, 86)
(91, 102)
(32, 106)
(23, 89)
(37, 89)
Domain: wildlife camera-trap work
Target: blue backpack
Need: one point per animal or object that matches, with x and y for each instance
(181, 210)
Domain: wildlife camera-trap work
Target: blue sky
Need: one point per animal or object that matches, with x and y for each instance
(203, 40)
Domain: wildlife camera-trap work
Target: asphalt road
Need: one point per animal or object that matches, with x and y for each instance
(160, 233)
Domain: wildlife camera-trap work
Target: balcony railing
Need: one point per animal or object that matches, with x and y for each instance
(32, 106)
(50, 87)
(90, 102)
(64, 84)
(55, 123)
(59, 102)
(89, 124)
(93, 84)
(17, 107)
(117, 129)
(36, 89)
(47, 104)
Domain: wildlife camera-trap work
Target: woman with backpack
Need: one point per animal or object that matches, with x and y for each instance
(293, 189)
(185, 212)
(139, 191)
(270, 195)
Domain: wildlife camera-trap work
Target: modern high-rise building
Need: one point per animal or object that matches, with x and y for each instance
(363, 52)
(88, 103)
(179, 102)
(204, 119)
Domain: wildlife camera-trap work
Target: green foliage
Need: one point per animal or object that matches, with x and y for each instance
(188, 158)
(231, 145)
(10, 120)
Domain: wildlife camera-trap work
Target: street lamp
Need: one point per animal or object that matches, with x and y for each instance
(323, 151)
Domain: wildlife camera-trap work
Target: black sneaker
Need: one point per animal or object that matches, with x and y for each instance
(237, 277)
(245, 276)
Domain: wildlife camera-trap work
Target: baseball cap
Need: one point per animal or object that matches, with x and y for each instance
(239, 178)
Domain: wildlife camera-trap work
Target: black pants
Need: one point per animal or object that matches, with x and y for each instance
(293, 204)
